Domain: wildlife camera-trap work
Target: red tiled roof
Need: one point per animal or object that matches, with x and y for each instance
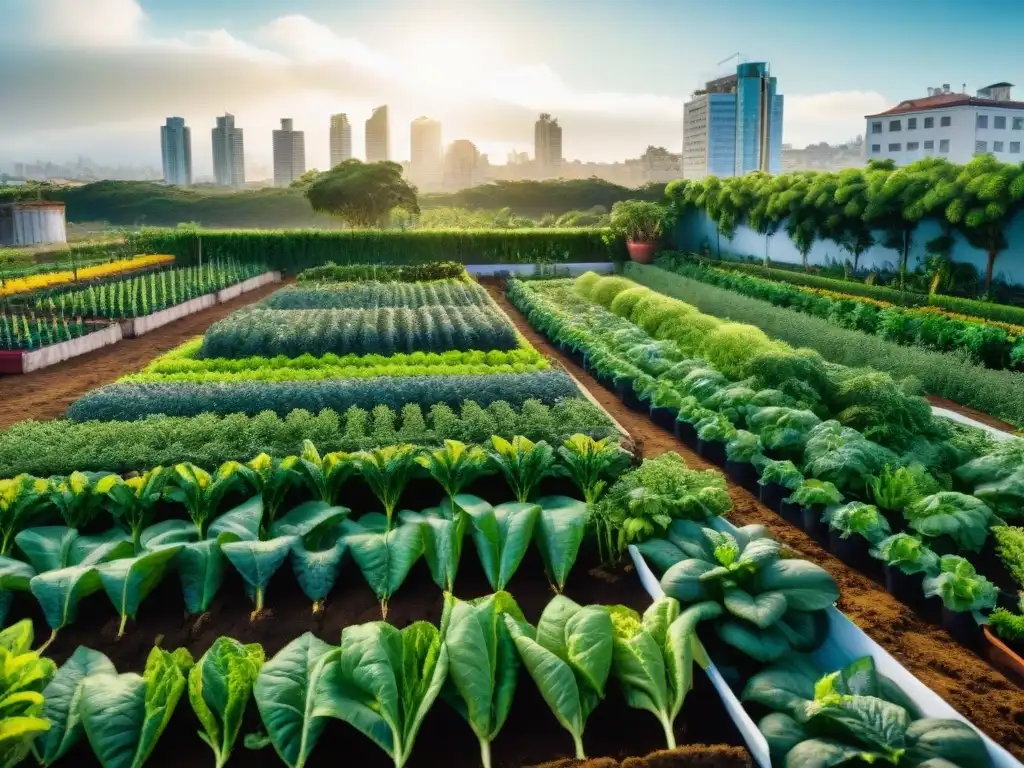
(947, 100)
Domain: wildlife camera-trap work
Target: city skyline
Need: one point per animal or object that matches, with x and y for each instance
(475, 70)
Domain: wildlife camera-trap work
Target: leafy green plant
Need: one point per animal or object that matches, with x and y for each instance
(965, 519)
(133, 502)
(384, 554)
(815, 493)
(483, 665)
(744, 447)
(20, 498)
(960, 586)
(559, 531)
(1010, 548)
(908, 553)
(853, 714)
(653, 658)
(501, 534)
(858, 518)
(124, 715)
(782, 428)
(1007, 625)
(715, 428)
(998, 478)
(271, 479)
(896, 489)
(590, 463)
(637, 220)
(763, 605)
(569, 657)
(325, 475)
(454, 466)
(388, 471)
(782, 473)
(24, 676)
(128, 581)
(219, 687)
(523, 462)
(388, 679)
(78, 497)
(200, 492)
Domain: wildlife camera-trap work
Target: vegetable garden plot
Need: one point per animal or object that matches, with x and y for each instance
(373, 295)
(271, 332)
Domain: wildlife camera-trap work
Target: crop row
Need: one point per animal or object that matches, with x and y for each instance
(144, 294)
(18, 331)
(130, 401)
(401, 273)
(953, 376)
(272, 332)
(838, 462)
(61, 447)
(373, 295)
(993, 344)
(27, 283)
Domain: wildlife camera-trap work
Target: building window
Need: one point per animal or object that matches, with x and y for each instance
(999, 123)
(982, 121)
(911, 123)
(929, 122)
(876, 148)
(894, 125)
(997, 146)
(980, 147)
(1018, 123)
(1014, 147)
(912, 145)
(945, 122)
(944, 144)
(876, 127)
(894, 147)
(929, 145)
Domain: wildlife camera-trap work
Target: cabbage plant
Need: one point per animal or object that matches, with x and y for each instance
(960, 586)
(965, 519)
(857, 518)
(907, 553)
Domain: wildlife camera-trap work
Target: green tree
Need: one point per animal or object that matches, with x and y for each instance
(363, 194)
(763, 216)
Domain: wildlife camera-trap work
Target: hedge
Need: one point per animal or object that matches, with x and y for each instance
(292, 251)
(953, 376)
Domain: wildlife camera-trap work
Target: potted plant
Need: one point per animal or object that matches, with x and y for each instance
(713, 432)
(1004, 634)
(906, 562)
(664, 401)
(951, 522)
(641, 223)
(742, 455)
(778, 480)
(690, 412)
(964, 593)
(853, 529)
(806, 506)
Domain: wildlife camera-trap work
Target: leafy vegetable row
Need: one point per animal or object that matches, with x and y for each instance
(409, 273)
(373, 294)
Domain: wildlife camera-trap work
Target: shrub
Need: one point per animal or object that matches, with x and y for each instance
(623, 304)
(585, 283)
(410, 273)
(731, 346)
(607, 288)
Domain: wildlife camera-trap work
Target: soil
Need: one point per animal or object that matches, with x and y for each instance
(972, 413)
(47, 393)
(965, 680)
(695, 756)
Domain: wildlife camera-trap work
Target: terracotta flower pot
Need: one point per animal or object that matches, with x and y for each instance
(1002, 656)
(640, 252)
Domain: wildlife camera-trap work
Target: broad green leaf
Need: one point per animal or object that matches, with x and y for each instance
(483, 664)
(764, 645)
(760, 610)
(805, 631)
(15, 576)
(59, 592)
(952, 740)
(388, 680)
(17, 638)
(62, 696)
(559, 532)
(46, 547)
(241, 522)
(502, 535)
(784, 688)
(806, 586)
(660, 553)
(782, 733)
(384, 557)
(305, 518)
(640, 667)
(129, 581)
(124, 715)
(219, 687)
(683, 581)
(295, 692)
(316, 570)
(825, 753)
(201, 569)
(873, 724)
(17, 734)
(442, 537)
(169, 532)
(258, 561)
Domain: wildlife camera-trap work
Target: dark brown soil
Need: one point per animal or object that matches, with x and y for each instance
(965, 680)
(972, 413)
(47, 393)
(695, 756)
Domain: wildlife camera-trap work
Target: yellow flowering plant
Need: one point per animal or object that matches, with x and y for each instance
(31, 283)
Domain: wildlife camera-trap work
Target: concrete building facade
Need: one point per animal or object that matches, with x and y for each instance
(341, 139)
(426, 158)
(228, 153)
(176, 152)
(378, 145)
(289, 154)
(547, 146)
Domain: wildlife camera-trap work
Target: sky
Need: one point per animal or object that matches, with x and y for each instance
(98, 77)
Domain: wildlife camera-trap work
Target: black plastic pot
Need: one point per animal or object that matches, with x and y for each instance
(853, 550)
(628, 396)
(897, 523)
(712, 450)
(664, 417)
(743, 473)
(908, 589)
(944, 545)
(686, 432)
(813, 525)
(606, 381)
(962, 627)
(989, 564)
(792, 513)
(772, 494)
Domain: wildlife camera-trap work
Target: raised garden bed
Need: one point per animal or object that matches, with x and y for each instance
(26, 361)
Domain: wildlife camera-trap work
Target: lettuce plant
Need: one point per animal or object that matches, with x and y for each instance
(960, 586)
(762, 605)
(387, 680)
(963, 518)
(907, 553)
(715, 428)
(124, 715)
(569, 656)
(325, 475)
(782, 473)
(383, 554)
(523, 463)
(483, 665)
(812, 493)
(998, 478)
(744, 447)
(24, 676)
(853, 715)
(857, 518)
(133, 502)
(501, 534)
(591, 463)
(219, 687)
(559, 531)
(20, 498)
(454, 466)
(843, 456)
(782, 428)
(896, 489)
(653, 658)
(388, 471)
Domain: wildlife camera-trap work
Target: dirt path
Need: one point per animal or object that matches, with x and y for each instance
(967, 682)
(47, 393)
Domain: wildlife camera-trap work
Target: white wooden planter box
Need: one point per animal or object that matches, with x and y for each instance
(137, 326)
(234, 291)
(57, 353)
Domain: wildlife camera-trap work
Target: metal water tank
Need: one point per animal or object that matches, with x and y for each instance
(32, 223)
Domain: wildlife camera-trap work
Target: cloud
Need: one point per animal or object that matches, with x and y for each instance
(833, 117)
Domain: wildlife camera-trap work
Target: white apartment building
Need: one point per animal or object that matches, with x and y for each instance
(426, 159)
(176, 152)
(378, 147)
(228, 153)
(341, 139)
(289, 154)
(950, 125)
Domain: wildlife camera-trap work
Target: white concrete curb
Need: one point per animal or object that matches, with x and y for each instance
(65, 350)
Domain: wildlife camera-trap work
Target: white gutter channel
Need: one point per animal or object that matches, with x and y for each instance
(998, 434)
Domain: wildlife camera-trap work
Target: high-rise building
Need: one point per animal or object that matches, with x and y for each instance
(341, 139)
(462, 165)
(378, 147)
(733, 125)
(547, 146)
(228, 153)
(289, 154)
(176, 150)
(426, 161)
